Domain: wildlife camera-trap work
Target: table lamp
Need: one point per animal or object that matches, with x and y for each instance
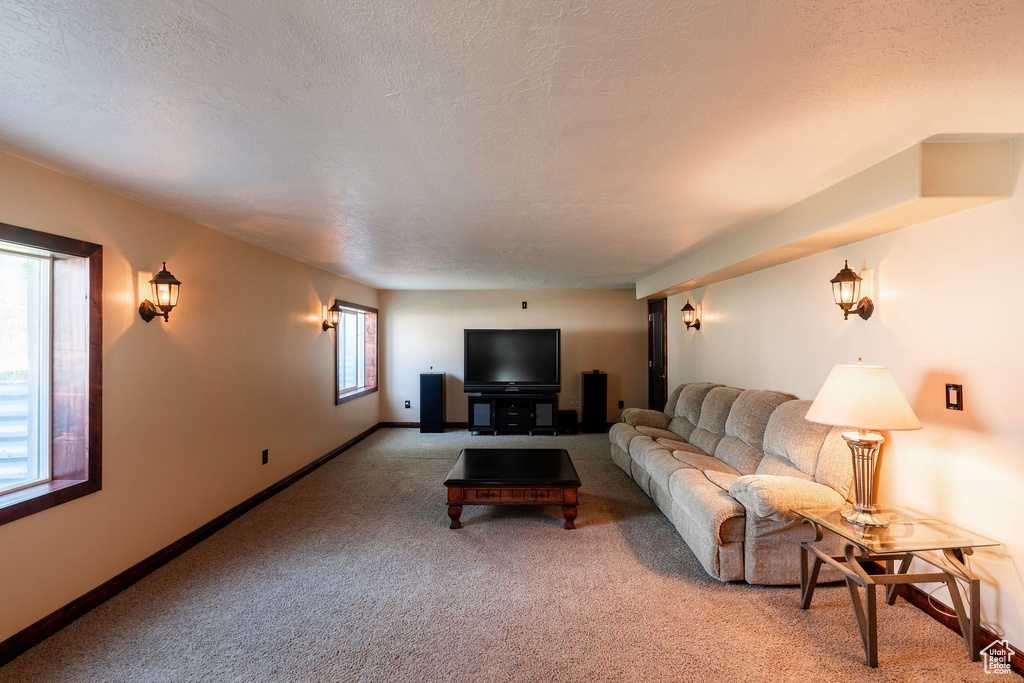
(865, 397)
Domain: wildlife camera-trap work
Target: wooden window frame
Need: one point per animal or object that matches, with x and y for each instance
(76, 380)
(370, 342)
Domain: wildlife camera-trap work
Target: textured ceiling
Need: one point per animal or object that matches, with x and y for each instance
(494, 144)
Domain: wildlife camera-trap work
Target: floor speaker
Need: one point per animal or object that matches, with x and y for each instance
(595, 402)
(432, 402)
(568, 422)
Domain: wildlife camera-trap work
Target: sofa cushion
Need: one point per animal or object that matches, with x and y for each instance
(791, 443)
(722, 480)
(742, 444)
(641, 447)
(835, 468)
(656, 433)
(714, 413)
(780, 467)
(646, 418)
(675, 444)
(621, 434)
(688, 406)
(661, 464)
(673, 399)
(702, 461)
(710, 507)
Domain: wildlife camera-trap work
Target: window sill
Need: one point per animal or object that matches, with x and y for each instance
(345, 398)
(28, 501)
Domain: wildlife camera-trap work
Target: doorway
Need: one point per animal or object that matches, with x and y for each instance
(657, 341)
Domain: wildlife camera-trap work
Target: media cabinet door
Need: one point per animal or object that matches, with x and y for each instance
(481, 414)
(545, 414)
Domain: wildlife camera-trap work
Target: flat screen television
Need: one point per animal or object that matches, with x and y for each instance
(510, 361)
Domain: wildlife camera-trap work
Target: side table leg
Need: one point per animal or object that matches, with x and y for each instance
(866, 621)
(871, 593)
(808, 579)
(974, 647)
(455, 511)
(570, 516)
(970, 623)
(892, 591)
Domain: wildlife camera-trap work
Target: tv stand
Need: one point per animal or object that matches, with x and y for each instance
(513, 413)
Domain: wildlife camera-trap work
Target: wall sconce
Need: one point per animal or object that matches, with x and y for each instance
(691, 316)
(846, 292)
(165, 292)
(333, 315)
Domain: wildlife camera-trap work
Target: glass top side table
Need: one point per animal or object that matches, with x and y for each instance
(909, 535)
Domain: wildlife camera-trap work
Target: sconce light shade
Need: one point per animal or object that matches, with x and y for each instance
(846, 292)
(333, 316)
(690, 316)
(165, 292)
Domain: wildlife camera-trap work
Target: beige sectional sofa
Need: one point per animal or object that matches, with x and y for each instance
(726, 466)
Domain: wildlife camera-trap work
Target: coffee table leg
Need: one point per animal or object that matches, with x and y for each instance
(455, 511)
(570, 516)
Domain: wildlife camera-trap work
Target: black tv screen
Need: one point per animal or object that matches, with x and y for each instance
(513, 360)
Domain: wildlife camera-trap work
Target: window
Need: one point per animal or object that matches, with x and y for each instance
(357, 351)
(24, 370)
(50, 360)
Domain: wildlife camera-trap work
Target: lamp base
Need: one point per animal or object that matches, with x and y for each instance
(863, 450)
(865, 517)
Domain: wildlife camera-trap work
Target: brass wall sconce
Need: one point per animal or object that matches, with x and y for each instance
(165, 292)
(333, 316)
(846, 292)
(691, 316)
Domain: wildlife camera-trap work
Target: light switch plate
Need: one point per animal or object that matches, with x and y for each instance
(955, 396)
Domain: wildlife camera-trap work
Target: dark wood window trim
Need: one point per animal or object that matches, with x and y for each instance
(371, 358)
(77, 420)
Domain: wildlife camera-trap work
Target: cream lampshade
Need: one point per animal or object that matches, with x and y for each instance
(865, 397)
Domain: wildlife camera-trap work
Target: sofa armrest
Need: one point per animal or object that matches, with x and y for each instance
(772, 496)
(642, 417)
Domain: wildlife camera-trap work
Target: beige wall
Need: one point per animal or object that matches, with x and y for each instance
(946, 311)
(601, 329)
(188, 405)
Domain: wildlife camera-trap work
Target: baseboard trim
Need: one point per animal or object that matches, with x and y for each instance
(55, 621)
(919, 599)
(416, 425)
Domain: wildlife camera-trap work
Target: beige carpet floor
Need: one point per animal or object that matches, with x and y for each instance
(353, 575)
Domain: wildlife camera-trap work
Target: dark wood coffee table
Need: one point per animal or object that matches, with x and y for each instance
(513, 476)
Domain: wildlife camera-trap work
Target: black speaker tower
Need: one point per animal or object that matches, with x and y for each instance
(595, 402)
(432, 402)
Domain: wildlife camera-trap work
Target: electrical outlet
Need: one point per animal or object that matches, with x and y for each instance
(408, 404)
(622, 404)
(266, 455)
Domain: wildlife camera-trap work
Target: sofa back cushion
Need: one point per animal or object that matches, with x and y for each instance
(743, 443)
(797, 448)
(835, 468)
(714, 413)
(687, 413)
(673, 399)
